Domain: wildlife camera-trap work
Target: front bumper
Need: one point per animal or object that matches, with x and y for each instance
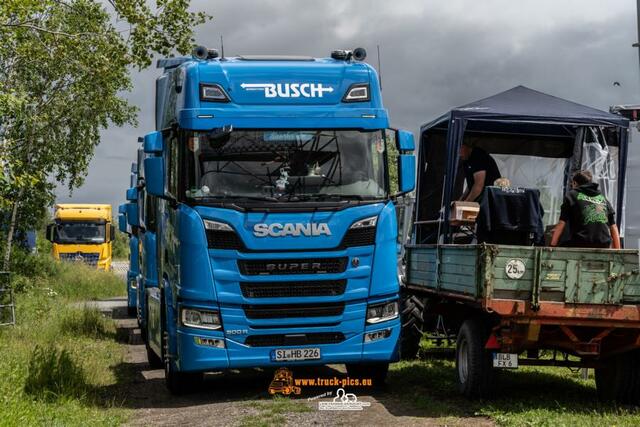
(195, 357)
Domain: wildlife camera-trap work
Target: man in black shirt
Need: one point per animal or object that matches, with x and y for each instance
(480, 170)
(589, 214)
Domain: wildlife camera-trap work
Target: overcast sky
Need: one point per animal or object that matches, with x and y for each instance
(435, 55)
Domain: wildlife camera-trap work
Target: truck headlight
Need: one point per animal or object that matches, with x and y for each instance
(216, 226)
(198, 318)
(377, 313)
(364, 223)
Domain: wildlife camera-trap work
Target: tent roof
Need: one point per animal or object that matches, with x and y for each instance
(521, 104)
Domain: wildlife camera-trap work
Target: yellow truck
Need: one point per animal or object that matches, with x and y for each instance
(82, 233)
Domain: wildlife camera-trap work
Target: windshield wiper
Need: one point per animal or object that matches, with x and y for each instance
(236, 198)
(322, 197)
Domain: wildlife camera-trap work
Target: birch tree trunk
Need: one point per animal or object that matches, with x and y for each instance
(11, 232)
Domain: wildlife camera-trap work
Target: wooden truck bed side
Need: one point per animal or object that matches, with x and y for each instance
(541, 282)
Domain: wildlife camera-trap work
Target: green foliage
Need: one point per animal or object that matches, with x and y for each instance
(120, 245)
(88, 322)
(59, 362)
(530, 396)
(40, 272)
(53, 373)
(64, 66)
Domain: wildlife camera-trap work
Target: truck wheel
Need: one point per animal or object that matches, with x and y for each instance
(180, 383)
(411, 315)
(131, 311)
(619, 379)
(377, 372)
(155, 361)
(473, 363)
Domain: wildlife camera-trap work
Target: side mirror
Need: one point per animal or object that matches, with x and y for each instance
(405, 141)
(112, 232)
(122, 223)
(153, 143)
(132, 194)
(406, 162)
(50, 231)
(154, 176)
(406, 172)
(132, 214)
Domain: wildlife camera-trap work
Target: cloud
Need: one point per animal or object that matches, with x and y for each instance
(434, 55)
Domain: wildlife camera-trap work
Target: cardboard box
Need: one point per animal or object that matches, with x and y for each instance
(464, 211)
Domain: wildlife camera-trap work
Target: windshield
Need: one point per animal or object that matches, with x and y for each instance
(288, 165)
(80, 232)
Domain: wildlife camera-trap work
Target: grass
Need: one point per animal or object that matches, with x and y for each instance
(272, 412)
(56, 361)
(530, 396)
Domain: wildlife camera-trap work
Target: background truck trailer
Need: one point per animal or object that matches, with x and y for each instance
(506, 304)
(276, 226)
(82, 233)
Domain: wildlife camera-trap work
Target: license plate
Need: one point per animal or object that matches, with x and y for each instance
(505, 360)
(293, 354)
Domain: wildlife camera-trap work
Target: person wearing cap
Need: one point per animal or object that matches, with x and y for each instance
(589, 214)
(480, 171)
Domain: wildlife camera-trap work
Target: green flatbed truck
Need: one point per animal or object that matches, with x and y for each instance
(507, 305)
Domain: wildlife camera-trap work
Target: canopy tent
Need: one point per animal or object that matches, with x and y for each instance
(521, 122)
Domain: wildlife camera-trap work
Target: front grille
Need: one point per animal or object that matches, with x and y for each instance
(87, 258)
(293, 266)
(293, 289)
(282, 311)
(294, 339)
(217, 239)
(359, 237)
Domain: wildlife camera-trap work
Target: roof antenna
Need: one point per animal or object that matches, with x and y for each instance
(379, 68)
(222, 46)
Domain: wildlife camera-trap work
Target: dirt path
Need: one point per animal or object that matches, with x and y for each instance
(240, 398)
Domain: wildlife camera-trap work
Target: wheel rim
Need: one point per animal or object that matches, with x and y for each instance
(463, 360)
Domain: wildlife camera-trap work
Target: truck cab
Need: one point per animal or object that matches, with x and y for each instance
(82, 233)
(276, 222)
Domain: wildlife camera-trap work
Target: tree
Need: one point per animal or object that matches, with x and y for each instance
(64, 65)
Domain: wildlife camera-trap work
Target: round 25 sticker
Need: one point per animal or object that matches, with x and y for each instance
(515, 269)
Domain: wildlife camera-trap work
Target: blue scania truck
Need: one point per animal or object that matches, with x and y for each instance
(276, 224)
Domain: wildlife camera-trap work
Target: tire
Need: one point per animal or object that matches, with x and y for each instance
(180, 383)
(177, 382)
(376, 371)
(155, 361)
(619, 380)
(474, 369)
(412, 318)
(132, 312)
(144, 334)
